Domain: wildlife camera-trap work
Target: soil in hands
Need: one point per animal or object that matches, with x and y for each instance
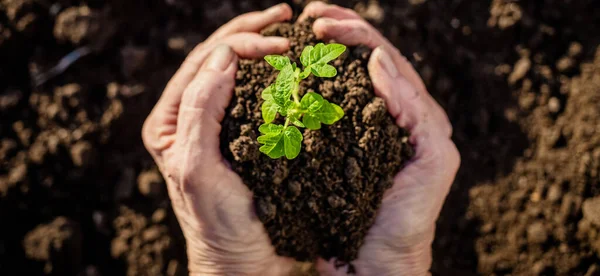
(322, 203)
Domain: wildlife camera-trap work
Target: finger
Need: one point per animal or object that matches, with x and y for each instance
(253, 21)
(327, 268)
(203, 107)
(161, 125)
(413, 109)
(359, 32)
(246, 45)
(318, 9)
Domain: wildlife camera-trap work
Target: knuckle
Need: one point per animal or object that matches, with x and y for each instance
(454, 158)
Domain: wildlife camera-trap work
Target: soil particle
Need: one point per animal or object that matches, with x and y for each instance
(10, 99)
(504, 14)
(245, 148)
(323, 202)
(150, 183)
(57, 244)
(374, 112)
(76, 24)
(591, 210)
(141, 244)
(520, 70)
(82, 153)
(536, 233)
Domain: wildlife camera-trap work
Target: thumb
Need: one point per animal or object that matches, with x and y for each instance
(203, 107)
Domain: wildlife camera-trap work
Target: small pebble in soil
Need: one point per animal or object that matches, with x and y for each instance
(591, 210)
(150, 183)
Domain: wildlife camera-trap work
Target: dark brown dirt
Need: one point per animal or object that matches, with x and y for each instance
(323, 202)
(518, 80)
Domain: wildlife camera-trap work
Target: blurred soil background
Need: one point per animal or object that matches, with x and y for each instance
(520, 81)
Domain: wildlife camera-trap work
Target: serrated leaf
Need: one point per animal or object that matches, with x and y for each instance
(274, 145)
(305, 57)
(269, 111)
(297, 122)
(267, 93)
(277, 61)
(270, 128)
(311, 122)
(329, 113)
(272, 140)
(322, 54)
(304, 74)
(288, 106)
(323, 71)
(293, 142)
(311, 102)
(284, 84)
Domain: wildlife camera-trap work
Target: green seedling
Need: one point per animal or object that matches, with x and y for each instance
(282, 98)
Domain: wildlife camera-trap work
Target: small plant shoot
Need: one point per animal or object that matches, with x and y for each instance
(282, 98)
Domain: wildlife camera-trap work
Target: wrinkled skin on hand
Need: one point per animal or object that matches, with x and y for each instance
(214, 207)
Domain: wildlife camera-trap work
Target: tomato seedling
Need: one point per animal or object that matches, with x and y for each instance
(282, 97)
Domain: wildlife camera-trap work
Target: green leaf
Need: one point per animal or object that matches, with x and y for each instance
(269, 111)
(323, 71)
(297, 122)
(286, 109)
(311, 122)
(305, 74)
(270, 128)
(272, 140)
(273, 145)
(267, 93)
(312, 102)
(284, 84)
(329, 113)
(277, 61)
(293, 142)
(322, 54)
(305, 57)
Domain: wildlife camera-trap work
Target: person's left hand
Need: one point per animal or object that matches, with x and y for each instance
(214, 208)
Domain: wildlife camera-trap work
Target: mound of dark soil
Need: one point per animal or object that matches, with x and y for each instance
(323, 202)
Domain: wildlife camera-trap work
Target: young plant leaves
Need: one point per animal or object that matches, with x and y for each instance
(305, 57)
(323, 71)
(284, 84)
(270, 128)
(269, 111)
(293, 141)
(312, 102)
(272, 140)
(277, 61)
(267, 93)
(329, 113)
(311, 122)
(311, 111)
(322, 54)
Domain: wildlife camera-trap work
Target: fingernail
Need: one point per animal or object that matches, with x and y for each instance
(220, 58)
(275, 10)
(326, 21)
(386, 61)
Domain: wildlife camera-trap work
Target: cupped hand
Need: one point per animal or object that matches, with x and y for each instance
(212, 205)
(399, 242)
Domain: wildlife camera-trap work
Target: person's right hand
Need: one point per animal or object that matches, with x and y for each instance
(399, 242)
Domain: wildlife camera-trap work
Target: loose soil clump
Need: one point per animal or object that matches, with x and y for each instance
(322, 203)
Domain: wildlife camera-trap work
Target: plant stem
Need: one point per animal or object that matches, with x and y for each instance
(287, 123)
(295, 94)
